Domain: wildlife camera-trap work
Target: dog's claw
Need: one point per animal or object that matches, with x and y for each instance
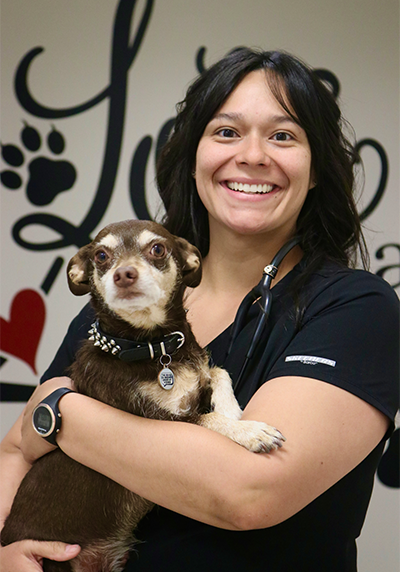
(258, 437)
(279, 435)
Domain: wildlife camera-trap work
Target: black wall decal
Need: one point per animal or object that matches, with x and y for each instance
(389, 467)
(122, 57)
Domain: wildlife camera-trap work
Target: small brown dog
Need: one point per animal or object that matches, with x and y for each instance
(141, 357)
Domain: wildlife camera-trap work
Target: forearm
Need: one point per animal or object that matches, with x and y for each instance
(27, 555)
(183, 467)
(203, 475)
(13, 468)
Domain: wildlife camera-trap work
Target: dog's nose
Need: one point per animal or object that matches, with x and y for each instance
(125, 276)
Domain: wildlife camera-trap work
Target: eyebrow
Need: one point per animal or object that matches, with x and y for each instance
(229, 116)
(239, 116)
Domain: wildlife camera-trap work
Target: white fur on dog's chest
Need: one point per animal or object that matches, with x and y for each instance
(179, 399)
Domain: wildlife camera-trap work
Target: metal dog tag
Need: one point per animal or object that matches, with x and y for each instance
(166, 378)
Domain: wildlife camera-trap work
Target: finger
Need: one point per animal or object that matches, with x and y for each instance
(59, 551)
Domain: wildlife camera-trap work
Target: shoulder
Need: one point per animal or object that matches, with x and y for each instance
(77, 331)
(332, 273)
(336, 285)
(355, 304)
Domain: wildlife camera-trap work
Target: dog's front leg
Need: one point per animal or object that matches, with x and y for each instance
(225, 418)
(223, 399)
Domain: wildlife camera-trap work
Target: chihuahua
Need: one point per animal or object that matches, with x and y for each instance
(141, 357)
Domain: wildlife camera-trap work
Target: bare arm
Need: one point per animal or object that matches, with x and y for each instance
(205, 476)
(16, 462)
(25, 556)
(13, 468)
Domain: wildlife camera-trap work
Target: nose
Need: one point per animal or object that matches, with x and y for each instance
(125, 276)
(253, 151)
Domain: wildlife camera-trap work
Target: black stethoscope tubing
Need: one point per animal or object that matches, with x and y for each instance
(262, 291)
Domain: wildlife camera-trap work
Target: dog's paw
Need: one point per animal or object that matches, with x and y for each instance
(255, 436)
(258, 437)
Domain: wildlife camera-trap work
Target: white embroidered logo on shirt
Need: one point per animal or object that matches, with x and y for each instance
(311, 360)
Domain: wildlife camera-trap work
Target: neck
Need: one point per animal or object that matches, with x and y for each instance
(239, 261)
(233, 266)
(139, 325)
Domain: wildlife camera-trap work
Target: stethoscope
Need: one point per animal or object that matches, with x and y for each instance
(263, 292)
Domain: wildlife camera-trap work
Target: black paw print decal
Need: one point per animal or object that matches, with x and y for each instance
(47, 177)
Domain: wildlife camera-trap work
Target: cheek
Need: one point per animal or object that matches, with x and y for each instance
(207, 165)
(202, 170)
(103, 281)
(209, 158)
(169, 279)
(202, 162)
(299, 170)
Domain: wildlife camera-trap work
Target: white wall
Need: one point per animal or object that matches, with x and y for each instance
(357, 40)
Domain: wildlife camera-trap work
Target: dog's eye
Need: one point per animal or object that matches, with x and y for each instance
(158, 250)
(101, 256)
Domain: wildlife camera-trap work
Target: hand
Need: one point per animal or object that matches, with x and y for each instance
(27, 555)
(33, 445)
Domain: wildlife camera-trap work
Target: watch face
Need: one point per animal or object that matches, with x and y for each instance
(43, 420)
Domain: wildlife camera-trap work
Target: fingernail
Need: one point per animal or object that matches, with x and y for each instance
(71, 548)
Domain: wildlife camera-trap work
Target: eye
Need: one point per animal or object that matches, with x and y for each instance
(282, 136)
(101, 256)
(227, 133)
(158, 250)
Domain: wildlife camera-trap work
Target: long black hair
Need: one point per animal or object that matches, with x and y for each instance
(328, 225)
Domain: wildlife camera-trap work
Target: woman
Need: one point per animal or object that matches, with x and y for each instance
(257, 156)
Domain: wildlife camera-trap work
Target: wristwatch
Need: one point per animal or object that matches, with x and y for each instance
(46, 417)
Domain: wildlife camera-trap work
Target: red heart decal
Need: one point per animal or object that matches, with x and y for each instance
(20, 336)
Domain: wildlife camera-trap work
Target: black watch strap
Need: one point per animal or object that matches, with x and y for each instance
(46, 417)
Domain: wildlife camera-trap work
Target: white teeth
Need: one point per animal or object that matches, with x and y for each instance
(251, 189)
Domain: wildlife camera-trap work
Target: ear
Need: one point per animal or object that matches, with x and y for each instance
(313, 179)
(191, 262)
(78, 272)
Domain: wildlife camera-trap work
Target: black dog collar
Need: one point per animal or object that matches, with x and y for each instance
(130, 350)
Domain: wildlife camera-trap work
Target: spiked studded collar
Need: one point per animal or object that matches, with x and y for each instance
(131, 350)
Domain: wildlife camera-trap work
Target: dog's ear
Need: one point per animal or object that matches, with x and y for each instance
(78, 272)
(191, 262)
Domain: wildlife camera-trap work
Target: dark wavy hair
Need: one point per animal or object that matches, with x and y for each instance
(328, 225)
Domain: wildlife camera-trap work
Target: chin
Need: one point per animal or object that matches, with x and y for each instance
(248, 229)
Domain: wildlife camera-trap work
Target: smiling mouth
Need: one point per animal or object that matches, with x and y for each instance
(250, 189)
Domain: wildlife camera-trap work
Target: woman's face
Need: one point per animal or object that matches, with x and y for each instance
(253, 163)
